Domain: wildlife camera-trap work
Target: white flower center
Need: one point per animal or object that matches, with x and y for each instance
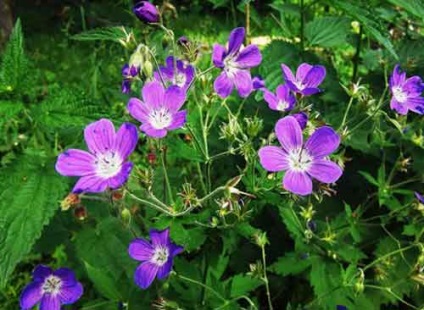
(160, 119)
(108, 165)
(299, 85)
(160, 256)
(299, 160)
(230, 66)
(52, 285)
(282, 105)
(179, 79)
(399, 94)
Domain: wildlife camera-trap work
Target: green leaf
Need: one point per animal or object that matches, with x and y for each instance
(327, 31)
(369, 178)
(103, 282)
(291, 221)
(116, 34)
(190, 238)
(415, 7)
(290, 264)
(29, 196)
(242, 285)
(9, 110)
(14, 64)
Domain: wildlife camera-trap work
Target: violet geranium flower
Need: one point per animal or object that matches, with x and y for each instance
(105, 166)
(306, 80)
(302, 119)
(159, 110)
(302, 162)
(146, 12)
(283, 100)
(406, 93)
(156, 255)
(258, 83)
(51, 289)
(236, 62)
(176, 72)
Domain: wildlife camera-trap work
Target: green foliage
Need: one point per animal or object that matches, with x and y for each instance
(327, 31)
(116, 34)
(29, 196)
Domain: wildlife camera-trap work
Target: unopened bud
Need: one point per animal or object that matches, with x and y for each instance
(80, 213)
(70, 201)
(146, 12)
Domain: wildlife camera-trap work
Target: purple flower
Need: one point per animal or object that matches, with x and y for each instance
(156, 255)
(282, 101)
(302, 162)
(419, 197)
(302, 119)
(128, 73)
(406, 93)
(146, 12)
(105, 166)
(159, 110)
(176, 73)
(258, 83)
(51, 289)
(235, 61)
(307, 78)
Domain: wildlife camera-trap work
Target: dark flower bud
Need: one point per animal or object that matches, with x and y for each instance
(183, 41)
(146, 12)
(258, 83)
(302, 119)
(312, 225)
(80, 213)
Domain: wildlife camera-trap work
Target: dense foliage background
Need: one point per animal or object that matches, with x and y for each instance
(357, 244)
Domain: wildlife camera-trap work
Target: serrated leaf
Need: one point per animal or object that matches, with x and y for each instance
(327, 31)
(290, 220)
(103, 282)
(415, 7)
(190, 238)
(242, 285)
(115, 34)
(291, 263)
(29, 196)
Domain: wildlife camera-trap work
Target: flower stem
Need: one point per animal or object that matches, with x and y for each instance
(165, 174)
(265, 278)
(349, 105)
(218, 295)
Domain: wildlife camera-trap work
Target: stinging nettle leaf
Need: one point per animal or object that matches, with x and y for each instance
(327, 31)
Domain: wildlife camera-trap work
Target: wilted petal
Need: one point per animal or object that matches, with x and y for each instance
(145, 274)
(153, 94)
(297, 182)
(75, 163)
(249, 57)
(235, 40)
(70, 294)
(50, 302)
(314, 77)
(100, 136)
(322, 142)
(165, 269)
(243, 82)
(138, 110)
(140, 250)
(90, 184)
(121, 178)
(273, 158)
(223, 85)
(31, 295)
(218, 55)
(178, 120)
(160, 237)
(174, 98)
(289, 133)
(325, 171)
(153, 132)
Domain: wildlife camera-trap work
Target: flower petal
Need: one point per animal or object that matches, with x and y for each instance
(152, 132)
(415, 105)
(273, 158)
(31, 295)
(397, 78)
(160, 237)
(145, 274)
(271, 99)
(243, 82)
(121, 178)
(138, 109)
(287, 74)
(314, 77)
(289, 133)
(140, 250)
(75, 163)
(175, 249)
(223, 85)
(70, 294)
(309, 91)
(419, 197)
(165, 269)
(398, 107)
(41, 272)
(297, 182)
(67, 276)
(235, 40)
(153, 94)
(285, 95)
(99, 136)
(218, 55)
(322, 142)
(249, 57)
(178, 120)
(174, 98)
(50, 302)
(302, 119)
(125, 140)
(90, 184)
(325, 171)
(302, 71)
(413, 86)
